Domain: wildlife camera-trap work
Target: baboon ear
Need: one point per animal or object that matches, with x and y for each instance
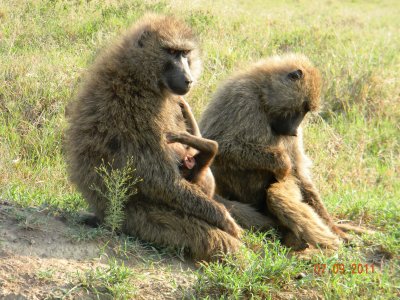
(143, 37)
(295, 75)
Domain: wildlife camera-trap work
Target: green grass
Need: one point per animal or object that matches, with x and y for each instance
(45, 47)
(115, 281)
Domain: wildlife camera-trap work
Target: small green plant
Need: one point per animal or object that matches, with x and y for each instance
(119, 186)
(114, 281)
(45, 275)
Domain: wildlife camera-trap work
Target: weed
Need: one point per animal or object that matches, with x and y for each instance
(115, 280)
(120, 185)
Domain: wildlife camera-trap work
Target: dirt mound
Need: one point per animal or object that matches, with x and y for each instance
(42, 256)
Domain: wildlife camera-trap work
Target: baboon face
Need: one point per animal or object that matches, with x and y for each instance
(287, 124)
(167, 52)
(177, 76)
(292, 91)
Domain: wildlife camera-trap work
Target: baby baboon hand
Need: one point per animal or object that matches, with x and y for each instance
(284, 165)
(173, 137)
(183, 104)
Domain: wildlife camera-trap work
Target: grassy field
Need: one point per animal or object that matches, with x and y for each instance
(45, 47)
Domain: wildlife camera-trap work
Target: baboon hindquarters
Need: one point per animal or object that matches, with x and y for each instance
(164, 226)
(284, 200)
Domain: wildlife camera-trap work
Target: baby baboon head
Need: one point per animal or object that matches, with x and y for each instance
(290, 87)
(164, 52)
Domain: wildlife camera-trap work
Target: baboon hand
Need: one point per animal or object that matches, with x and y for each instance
(230, 226)
(173, 137)
(284, 166)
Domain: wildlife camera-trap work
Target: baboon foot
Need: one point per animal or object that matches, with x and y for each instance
(89, 219)
(246, 215)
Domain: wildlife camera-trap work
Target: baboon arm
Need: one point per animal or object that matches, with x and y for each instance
(191, 123)
(203, 145)
(207, 150)
(284, 200)
(256, 157)
(311, 197)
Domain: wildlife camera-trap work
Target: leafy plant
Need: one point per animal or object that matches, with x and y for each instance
(119, 186)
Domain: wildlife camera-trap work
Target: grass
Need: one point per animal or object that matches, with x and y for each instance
(45, 46)
(115, 281)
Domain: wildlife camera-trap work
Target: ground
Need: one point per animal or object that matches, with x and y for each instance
(42, 256)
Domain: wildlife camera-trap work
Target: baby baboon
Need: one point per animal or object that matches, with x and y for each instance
(124, 109)
(194, 162)
(255, 118)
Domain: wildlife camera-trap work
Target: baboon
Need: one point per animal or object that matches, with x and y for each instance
(128, 102)
(255, 118)
(194, 162)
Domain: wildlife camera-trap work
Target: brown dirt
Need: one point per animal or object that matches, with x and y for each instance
(41, 257)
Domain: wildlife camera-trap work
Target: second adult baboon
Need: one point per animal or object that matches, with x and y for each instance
(126, 105)
(255, 118)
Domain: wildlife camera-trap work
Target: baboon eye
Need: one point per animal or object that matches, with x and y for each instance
(296, 75)
(175, 52)
(172, 51)
(185, 53)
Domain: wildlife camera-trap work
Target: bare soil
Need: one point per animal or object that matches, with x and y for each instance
(42, 257)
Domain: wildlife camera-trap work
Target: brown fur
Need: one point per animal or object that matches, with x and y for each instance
(257, 166)
(123, 111)
(203, 152)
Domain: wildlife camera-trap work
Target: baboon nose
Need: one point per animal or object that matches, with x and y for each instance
(188, 81)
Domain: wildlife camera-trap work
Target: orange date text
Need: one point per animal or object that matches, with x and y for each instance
(321, 269)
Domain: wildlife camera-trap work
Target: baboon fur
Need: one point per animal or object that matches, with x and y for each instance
(259, 166)
(123, 110)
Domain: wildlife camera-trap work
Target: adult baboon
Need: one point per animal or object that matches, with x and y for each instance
(127, 104)
(255, 118)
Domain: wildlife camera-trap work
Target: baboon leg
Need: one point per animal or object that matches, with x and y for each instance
(284, 200)
(246, 215)
(312, 198)
(166, 227)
